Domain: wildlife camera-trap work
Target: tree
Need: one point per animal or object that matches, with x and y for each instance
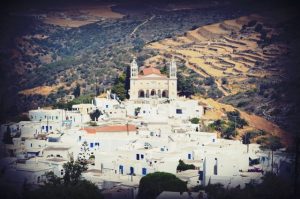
(52, 179)
(73, 172)
(230, 131)
(185, 85)
(153, 184)
(76, 91)
(195, 120)
(137, 111)
(119, 90)
(218, 125)
(224, 80)
(7, 139)
(209, 81)
(164, 70)
(83, 189)
(121, 85)
(71, 186)
(234, 116)
(182, 166)
(95, 115)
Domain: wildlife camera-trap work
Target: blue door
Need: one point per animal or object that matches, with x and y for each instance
(131, 170)
(137, 156)
(200, 175)
(46, 128)
(91, 145)
(189, 156)
(121, 169)
(144, 171)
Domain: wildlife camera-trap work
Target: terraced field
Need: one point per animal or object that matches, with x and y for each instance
(231, 49)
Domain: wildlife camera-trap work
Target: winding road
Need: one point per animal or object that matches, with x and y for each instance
(138, 26)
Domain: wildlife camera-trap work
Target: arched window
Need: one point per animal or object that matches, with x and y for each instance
(165, 93)
(141, 94)
(153, 92)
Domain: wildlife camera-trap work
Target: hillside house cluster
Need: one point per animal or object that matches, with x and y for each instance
(149, 132)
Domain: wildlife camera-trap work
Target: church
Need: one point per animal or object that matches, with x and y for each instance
(150, 83)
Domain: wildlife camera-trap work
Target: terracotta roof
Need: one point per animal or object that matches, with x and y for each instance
(119, 128)
(151, 70)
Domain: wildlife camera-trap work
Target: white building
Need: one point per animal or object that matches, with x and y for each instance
(66, 118)
(150, 83)
(83, 108)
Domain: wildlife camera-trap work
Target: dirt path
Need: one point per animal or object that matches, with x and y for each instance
(138, 26)
(221, 88)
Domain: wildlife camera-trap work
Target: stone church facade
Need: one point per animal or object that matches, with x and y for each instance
(150, 83)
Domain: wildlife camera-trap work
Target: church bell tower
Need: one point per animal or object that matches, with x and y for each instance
(133, 69)
(172, 79)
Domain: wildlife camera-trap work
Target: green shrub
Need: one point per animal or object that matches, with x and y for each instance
(153, 184)
(195, 120)
(182, 166)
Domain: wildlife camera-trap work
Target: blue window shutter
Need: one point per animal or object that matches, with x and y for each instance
(144, 171)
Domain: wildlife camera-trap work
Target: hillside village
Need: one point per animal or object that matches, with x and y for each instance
(154, 130)
(145, 99)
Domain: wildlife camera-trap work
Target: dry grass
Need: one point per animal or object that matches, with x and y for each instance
(40, 90)
(254, 122)
(210, 43)
(103, 11)
(66, 22)
(90, 14)
(207, 68)
(216, 29)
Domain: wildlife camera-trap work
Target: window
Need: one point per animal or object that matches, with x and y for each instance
(137, 156)
(200, 175)
(43, 127)
(91, 145)
(144, 171)
(106, 106)
(131, 170)
(178, 111)
(142, 156)
(216, 167)
(189, 156)
(121, 168)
